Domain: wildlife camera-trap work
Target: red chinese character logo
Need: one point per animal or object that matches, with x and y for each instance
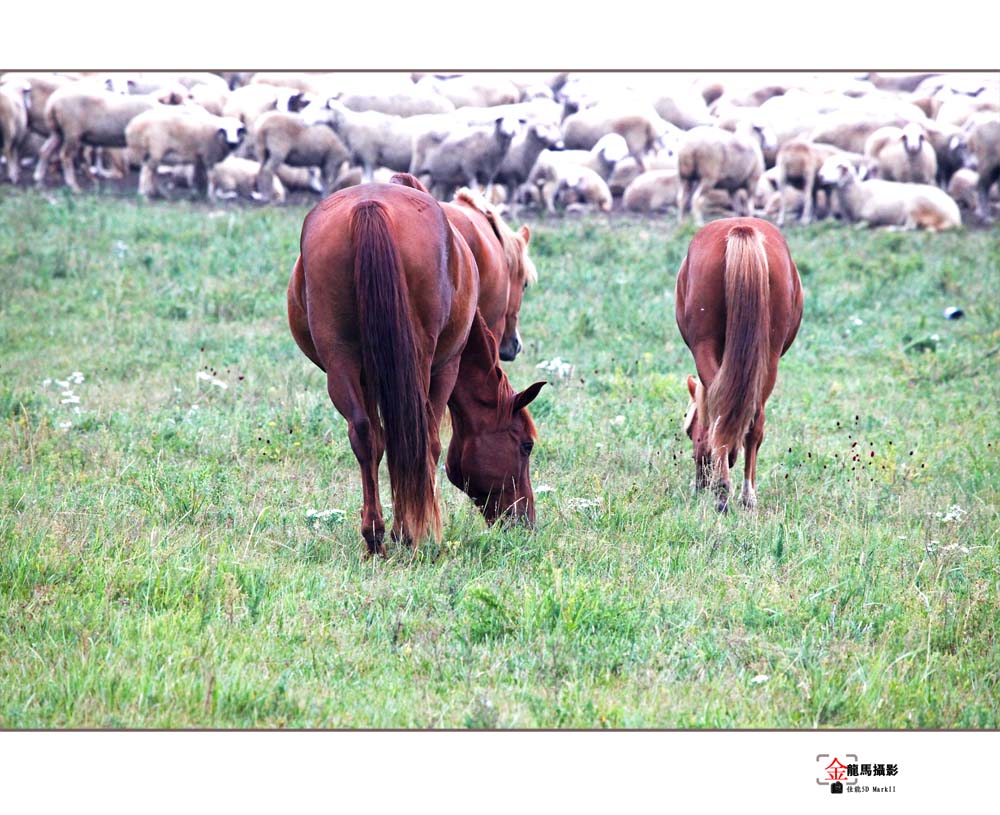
(836, 771)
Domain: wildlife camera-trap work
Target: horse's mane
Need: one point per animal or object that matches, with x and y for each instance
(513, 251)
(506, 396)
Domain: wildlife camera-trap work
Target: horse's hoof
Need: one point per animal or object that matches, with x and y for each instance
(368, 553)
(722, 505)
(400, 537)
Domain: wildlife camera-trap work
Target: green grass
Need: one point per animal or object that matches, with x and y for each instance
(159, 566)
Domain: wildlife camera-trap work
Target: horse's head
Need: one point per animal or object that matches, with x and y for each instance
(489, 459)
(697, 430)
(492, 433)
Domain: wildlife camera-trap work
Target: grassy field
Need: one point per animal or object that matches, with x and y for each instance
(179, 503)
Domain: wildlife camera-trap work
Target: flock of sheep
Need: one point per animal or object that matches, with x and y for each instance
(909, 150)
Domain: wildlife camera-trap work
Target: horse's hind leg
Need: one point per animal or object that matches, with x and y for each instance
(442, 383)
(754, 438)
(723, 486)
(344, 387)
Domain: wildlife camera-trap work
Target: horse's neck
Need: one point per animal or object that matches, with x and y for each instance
(477, 392)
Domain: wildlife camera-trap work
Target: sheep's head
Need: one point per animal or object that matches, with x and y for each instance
(116, 84)
(612, 147)
(836, 171)
(231, 132)
(913, 138)
(173, 94)
(547, 134)
(507, 126)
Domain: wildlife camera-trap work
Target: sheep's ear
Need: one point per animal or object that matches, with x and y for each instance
(220, 134)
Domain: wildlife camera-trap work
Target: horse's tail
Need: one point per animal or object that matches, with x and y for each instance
(391, 369)
(735, 393)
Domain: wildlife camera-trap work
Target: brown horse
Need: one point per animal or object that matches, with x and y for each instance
(383, 299)
(501, 254)
(738, 307)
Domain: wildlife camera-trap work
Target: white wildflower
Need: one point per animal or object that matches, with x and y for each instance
(323, 513)
(65, 425)
(583, 503)
(856, 321)
(71, 399)
(76, 378)
(618, 420)
(562, 370)
(952, 515)
(212, 380)
(759, 679)
(544, 488)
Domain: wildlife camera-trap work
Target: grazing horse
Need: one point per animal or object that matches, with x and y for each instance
(501, 254)
(738, 308)
(383, 299)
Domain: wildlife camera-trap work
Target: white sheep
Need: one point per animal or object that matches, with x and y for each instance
(963, 187)
(877, 202)
(473, 90)
(306, 179)
(84, 113)
(982, 143)
(798, 165)
(235, 177)
(285, 138)
(552, 165)
(372, 138)
(176, 135)
(470, 157)
(903, 154)
(251, 101)
(710, 157)
(15, 102)
(652, 191)
(525, 148)
(580, 188)
(641, 128)
(627, 170)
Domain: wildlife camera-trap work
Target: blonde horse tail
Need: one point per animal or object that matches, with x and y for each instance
(735, 393)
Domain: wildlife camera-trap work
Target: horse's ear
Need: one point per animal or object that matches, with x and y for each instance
(692, 385)
(525, 233)
(527, 396)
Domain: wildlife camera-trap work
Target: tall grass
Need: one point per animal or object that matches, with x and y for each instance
(169, 557)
